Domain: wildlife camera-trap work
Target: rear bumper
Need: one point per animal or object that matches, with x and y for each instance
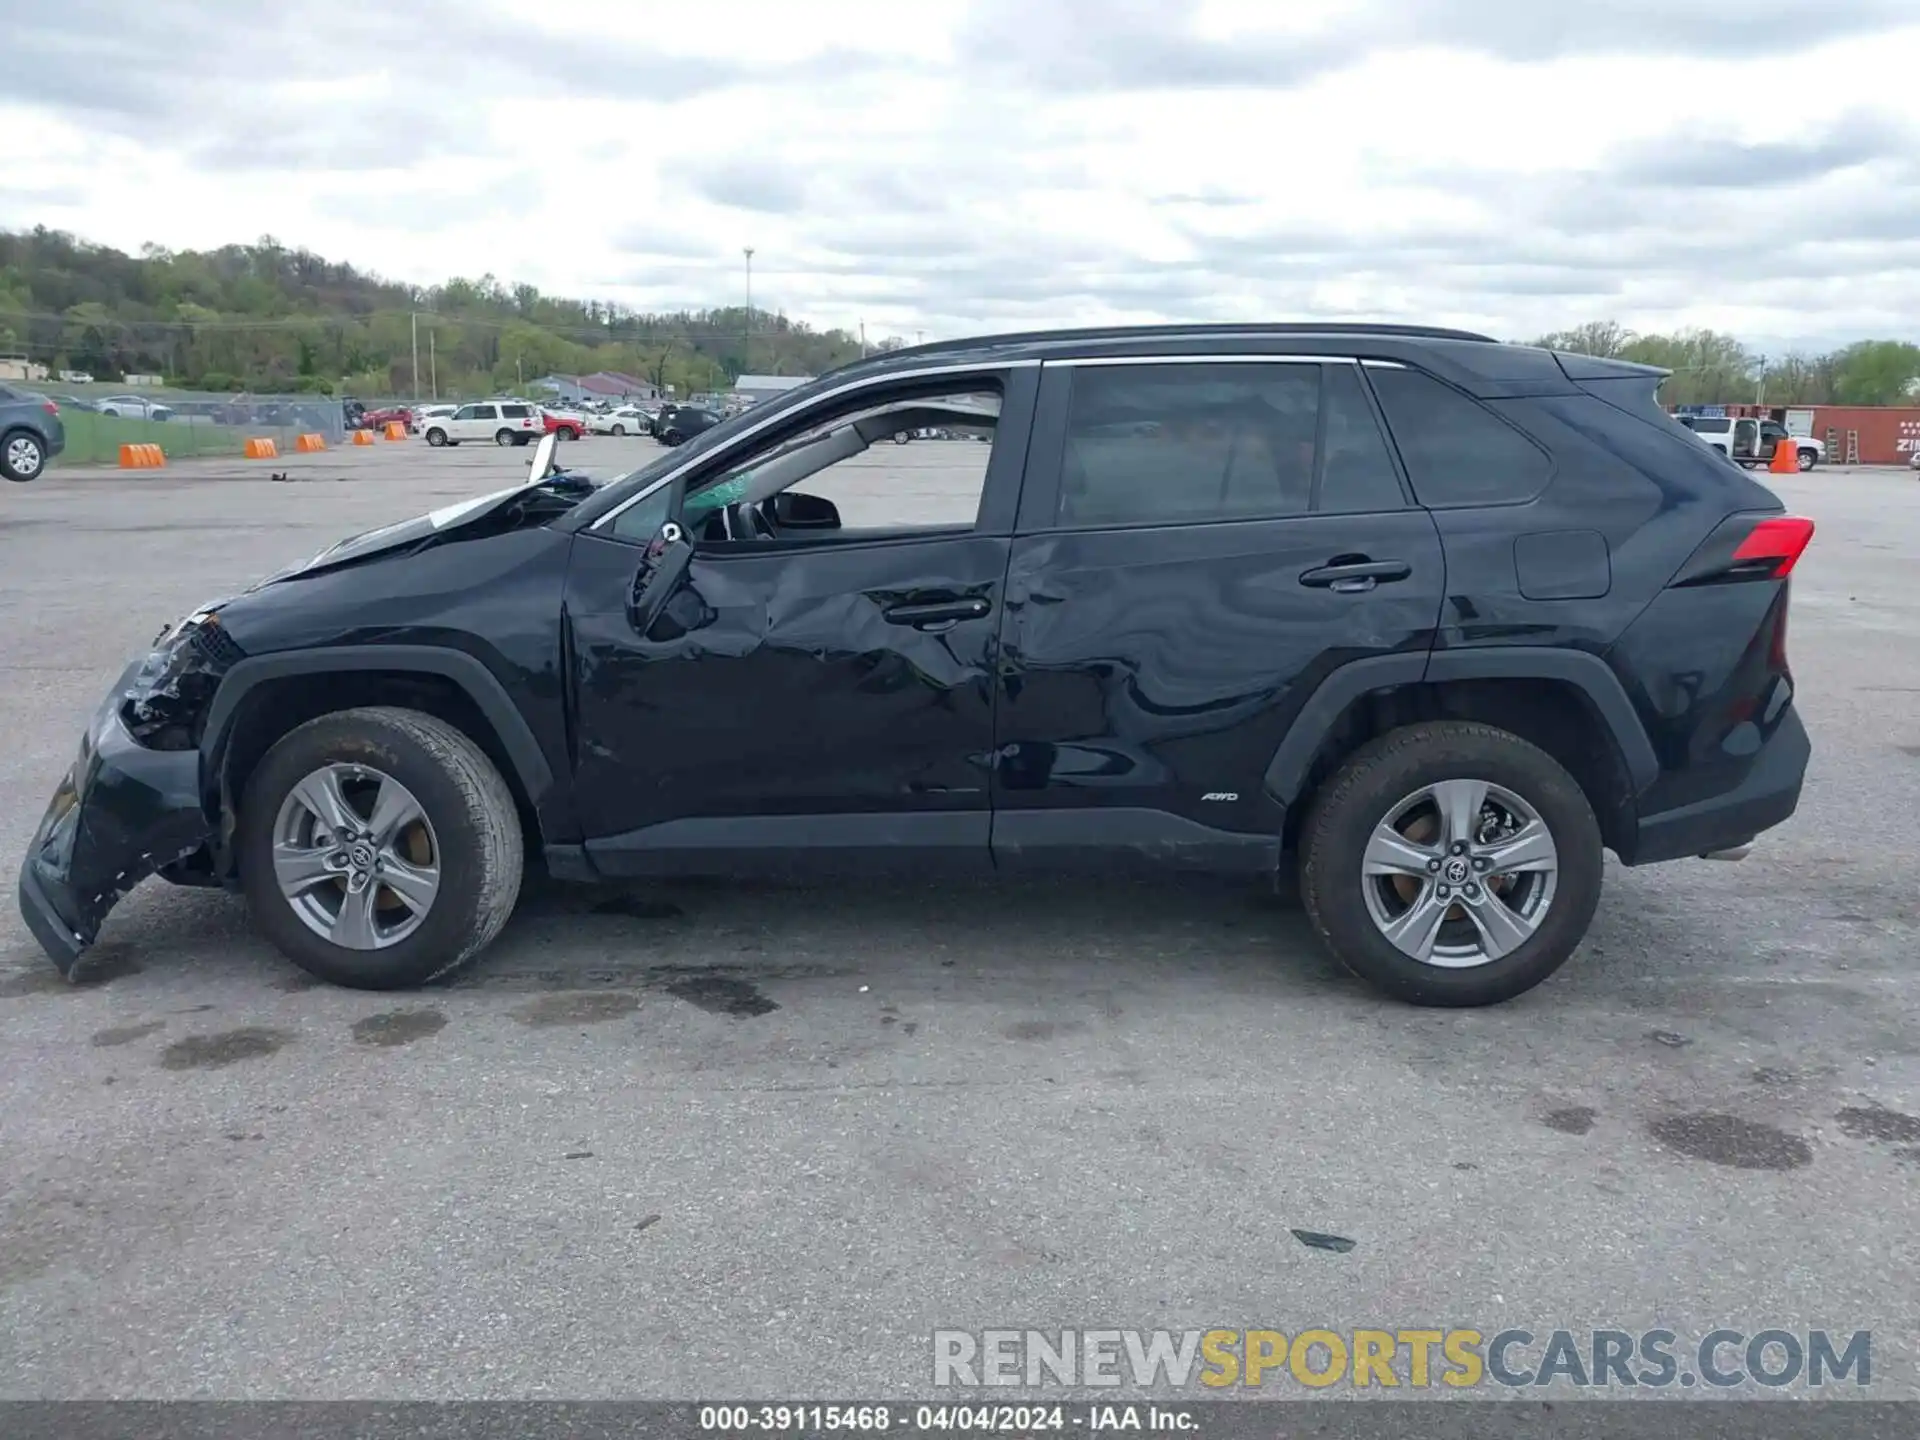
(121, 813)
(1768, 795)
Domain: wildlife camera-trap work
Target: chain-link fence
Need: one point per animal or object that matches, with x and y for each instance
(185, 424)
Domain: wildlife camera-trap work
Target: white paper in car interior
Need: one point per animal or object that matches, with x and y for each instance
(448, 514)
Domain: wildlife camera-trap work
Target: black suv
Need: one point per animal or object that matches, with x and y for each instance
(1433, 618)
(30, 433)
(677, 424)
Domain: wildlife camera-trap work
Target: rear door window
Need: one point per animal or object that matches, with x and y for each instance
(1457, 452)
(1174, 444)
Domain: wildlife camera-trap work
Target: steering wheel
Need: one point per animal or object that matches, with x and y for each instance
(745, 522)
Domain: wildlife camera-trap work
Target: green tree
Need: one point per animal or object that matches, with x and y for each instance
(1877, 372)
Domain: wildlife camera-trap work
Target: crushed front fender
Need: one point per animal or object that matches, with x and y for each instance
(122, 812)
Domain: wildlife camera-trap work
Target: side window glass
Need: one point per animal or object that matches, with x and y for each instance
(1456, 451)
(513, 412)
(467, 412)
(642, 520)
(1358, 474)
(1186, 444)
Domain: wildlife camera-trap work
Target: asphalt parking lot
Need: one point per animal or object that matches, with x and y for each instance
(699, 1141)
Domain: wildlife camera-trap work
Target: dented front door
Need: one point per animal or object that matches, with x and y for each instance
(835, 700)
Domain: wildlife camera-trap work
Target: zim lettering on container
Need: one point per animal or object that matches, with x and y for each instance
(1230, 1360)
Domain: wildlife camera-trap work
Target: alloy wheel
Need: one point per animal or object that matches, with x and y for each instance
(355, 857)
(24, 456)
(1460, 873)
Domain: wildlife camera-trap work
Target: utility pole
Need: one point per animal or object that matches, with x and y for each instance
(416, 355)
(863, 339)
(433, 367)
(919, 337)
(746, 347)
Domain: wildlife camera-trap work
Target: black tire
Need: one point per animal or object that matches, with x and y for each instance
(504, 438)
(475, 824)
(436, 437)
(1807, 458)
(23, 456)
(1363, 793)
(620, 432)
(901, 437)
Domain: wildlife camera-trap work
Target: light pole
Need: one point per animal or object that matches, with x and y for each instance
(746, 347)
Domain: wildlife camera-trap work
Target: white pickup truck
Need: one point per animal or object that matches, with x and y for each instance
(1748, 441)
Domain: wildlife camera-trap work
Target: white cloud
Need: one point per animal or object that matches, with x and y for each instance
(953, 168)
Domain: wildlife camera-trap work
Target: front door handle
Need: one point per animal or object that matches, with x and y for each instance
(1350, 577)
(925, 615)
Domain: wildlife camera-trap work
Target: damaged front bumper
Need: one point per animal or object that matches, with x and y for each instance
(122, 812)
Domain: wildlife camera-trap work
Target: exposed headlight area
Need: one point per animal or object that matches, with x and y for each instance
(167, 697)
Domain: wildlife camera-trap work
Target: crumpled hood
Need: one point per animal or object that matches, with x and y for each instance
(405, 533)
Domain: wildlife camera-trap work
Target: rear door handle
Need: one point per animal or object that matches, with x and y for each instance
(1352, 577)
(926, 615)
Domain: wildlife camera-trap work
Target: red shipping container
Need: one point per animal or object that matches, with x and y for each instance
(1889, 434)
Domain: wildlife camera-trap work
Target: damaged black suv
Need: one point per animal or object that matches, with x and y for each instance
(1432, 619)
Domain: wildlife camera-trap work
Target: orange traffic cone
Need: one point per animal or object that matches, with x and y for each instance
(363, 437)
(1786, 458)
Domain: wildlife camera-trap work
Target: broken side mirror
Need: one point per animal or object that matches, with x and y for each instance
(543, 465)
(663, 565)
(793, 510)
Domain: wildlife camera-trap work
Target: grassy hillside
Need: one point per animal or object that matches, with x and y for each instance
(265, 318)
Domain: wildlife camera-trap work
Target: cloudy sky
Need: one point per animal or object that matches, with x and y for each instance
(953, 166)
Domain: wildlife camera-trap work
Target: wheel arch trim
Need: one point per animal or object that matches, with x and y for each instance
(479, 684)
(1286, 774)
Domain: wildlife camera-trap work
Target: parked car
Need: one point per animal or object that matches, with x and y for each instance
(422, 414)
(627, 420)
(389, 415)
(677, 424)
(508, 422)
(567, 424)
(1429, 620)
(1752, 442)
(30, 433)
(134, 407)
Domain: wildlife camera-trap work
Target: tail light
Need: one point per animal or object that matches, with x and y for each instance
(1778, 542)
(1748, 547)
(50, 407)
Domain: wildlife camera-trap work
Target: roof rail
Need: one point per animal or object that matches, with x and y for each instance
(1174, 332)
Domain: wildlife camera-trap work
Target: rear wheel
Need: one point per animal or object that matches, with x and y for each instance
(379, 848)
(503, 437)
(22, 456)
(620, 431)
(1452, 864)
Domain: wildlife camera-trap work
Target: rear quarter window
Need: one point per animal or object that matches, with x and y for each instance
(1456, 451)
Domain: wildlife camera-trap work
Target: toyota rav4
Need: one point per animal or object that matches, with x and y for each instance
(1431, 620)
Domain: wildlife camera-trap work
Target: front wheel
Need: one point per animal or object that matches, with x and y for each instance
(1808, 459)
(620, 432)
(379, 848)
(436, 437)
(1451, 864)
(22, 456)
